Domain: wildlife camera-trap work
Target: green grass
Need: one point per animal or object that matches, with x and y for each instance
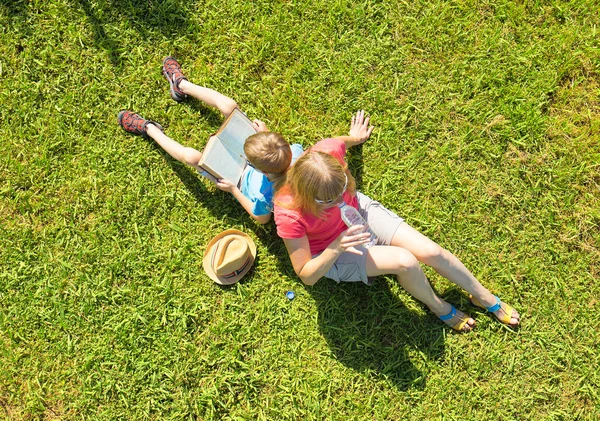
(487, 140)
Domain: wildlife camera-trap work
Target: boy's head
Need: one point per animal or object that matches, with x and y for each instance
(268, 152)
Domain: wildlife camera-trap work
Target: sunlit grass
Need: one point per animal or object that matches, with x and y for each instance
(487, 140)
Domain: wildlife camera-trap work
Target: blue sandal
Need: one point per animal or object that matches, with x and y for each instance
(506, 314)
(462, 319)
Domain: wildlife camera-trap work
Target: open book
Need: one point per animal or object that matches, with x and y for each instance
(223, 156)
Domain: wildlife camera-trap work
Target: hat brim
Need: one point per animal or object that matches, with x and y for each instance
(207, 253)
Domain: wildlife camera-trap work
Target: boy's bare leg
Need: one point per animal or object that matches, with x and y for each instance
(181, 153)
(180, 88)
(209, 96)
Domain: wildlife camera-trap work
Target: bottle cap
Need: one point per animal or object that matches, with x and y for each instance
(290, 295)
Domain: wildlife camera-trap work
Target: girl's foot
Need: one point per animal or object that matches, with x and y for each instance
(503, 312)
(172, 71)
(134, 123)
(458, 320)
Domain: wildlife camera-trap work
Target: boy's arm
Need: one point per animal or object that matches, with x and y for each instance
(359, 130)
(192, 156)
(244, 201)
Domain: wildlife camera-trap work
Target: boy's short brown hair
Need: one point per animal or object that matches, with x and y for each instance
(268, 152)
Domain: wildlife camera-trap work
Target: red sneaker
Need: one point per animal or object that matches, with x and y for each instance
(172, 71)
(134, 123)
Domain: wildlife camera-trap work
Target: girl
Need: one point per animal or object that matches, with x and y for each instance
(319, 243)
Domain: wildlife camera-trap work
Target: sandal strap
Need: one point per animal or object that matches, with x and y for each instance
(449, 315)
(507, 310)
(459, 323)
(494, 307)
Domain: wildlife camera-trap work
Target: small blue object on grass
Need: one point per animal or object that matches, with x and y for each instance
(290, 295)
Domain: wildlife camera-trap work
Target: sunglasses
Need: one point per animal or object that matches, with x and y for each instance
(329, 202)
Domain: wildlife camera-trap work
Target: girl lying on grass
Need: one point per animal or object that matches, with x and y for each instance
(320, 244)
(268, 153)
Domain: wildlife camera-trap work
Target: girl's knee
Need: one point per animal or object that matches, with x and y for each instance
(432, 253)
(406, 261)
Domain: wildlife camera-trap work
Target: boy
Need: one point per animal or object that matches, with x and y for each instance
(268, 154)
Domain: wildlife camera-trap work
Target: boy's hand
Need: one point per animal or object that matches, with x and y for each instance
(260, 126)
(359, 127)
(225, 185)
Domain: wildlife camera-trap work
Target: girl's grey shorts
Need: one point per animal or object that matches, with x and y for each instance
(351, 267)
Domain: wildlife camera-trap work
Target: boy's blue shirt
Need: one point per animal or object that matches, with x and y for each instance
(259, 190)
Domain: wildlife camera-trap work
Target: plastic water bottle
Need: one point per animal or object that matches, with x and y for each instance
(352, 217)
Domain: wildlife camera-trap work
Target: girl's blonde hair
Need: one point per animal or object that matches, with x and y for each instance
(316, 175)
(270, 153)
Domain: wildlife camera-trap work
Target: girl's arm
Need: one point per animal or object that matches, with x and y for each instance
(359, 130)
(310, 269)
(244, 201)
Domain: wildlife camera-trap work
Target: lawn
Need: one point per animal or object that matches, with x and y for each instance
(487, 140)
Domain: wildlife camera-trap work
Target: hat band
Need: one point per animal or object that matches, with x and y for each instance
(237, 272)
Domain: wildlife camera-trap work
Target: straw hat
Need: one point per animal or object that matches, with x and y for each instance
(229, 256)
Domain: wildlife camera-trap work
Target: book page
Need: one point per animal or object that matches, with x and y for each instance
(219, 160)
(236, 131)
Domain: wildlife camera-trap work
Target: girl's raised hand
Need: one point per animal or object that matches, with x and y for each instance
(349, 239)
(359, 127)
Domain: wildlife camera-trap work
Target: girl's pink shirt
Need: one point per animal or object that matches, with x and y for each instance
(293, 223)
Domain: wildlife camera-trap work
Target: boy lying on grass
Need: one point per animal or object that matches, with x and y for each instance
(268, 154)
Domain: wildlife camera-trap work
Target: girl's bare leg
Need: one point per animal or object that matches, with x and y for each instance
(444, 263)
(383, 260)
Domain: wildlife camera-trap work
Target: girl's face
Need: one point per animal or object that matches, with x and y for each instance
(330, 203)
(335, 203)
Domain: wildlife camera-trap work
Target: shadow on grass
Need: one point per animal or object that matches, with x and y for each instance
(371, 331)
(212, 116)
(224, 207)
(167, 17)
(367, 328)
(14, 7)
(101, 39)
(354, 156)
(219, 203)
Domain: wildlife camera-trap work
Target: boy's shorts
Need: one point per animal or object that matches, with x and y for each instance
(351, 267)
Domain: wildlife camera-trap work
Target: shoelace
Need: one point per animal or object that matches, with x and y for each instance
(132, 124)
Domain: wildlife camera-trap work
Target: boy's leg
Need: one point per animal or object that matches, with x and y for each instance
(209, 96)
(181, 153)
(135, 124)
(180, 88)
